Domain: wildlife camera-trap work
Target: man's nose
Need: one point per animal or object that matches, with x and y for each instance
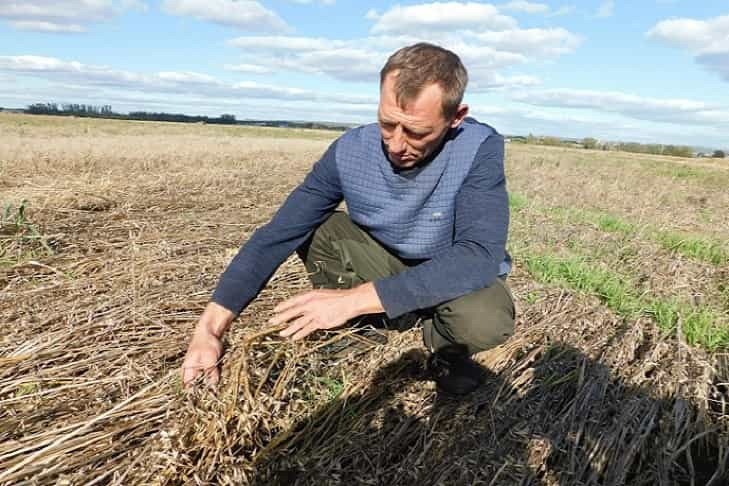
(397, 141)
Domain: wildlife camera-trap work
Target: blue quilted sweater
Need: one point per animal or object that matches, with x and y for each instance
(452, 213)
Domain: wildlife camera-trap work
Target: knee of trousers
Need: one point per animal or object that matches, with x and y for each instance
(480, 320)
(322, 236)
(322, 257)
(337, 226)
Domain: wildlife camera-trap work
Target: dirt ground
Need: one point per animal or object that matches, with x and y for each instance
(129, 224)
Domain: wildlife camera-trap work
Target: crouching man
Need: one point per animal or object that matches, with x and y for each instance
(424, 237)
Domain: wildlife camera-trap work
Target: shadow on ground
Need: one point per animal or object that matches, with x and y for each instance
(554, 416)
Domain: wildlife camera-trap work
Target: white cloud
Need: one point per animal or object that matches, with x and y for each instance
(663, 110)
(606, 9)
(361, 59)
(247, 68)
(186, 77)
(242, 14)
(532, 42)
(285, 43)
(307, 2)
(495, 81)
(486, 41)
(49, 66)
(63, 16)
(563, 10)
(482, 58)
(707, 40)
(563, 123)
(138, 5)
(440, 16)
(526, 7)
(703, 36)
(344, 60)
(41, 26)
(167, 82)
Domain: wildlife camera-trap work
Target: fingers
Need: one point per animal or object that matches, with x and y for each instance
(293, 301)
(189, 375)
(303, 299)
(212, 376)
(194, 374)
(286, 316)
(298, 324)
(305, 331)
(201, 364)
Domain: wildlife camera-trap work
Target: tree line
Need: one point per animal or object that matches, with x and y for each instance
(641, 148)
(105, 111)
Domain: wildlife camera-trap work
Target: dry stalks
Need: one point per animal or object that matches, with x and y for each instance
(95, 334)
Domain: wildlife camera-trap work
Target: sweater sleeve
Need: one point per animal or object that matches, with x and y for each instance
(480, 232)
(303, 211)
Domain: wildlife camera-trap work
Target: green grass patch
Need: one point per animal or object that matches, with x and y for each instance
(28, 388)
(20, 238)
(677, 170)
(603, 221)
(692, 246)
(607, 222)
(700, 326)
(333, 386)
(684, 172)
(517, 202)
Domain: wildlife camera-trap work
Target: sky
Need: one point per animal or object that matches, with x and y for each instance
(640, 70)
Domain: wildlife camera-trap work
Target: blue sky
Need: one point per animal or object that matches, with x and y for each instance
(641, 70)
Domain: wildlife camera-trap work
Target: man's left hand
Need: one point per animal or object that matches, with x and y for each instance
(324, 309)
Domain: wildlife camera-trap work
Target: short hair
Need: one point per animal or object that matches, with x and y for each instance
(422, 64)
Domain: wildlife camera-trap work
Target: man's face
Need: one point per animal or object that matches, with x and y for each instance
(413, 132)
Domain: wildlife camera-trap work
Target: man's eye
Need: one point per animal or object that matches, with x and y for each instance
(415, 135)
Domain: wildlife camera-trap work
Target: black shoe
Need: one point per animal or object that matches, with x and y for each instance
(454, 371)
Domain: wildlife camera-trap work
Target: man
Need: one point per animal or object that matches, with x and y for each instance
(424, 236)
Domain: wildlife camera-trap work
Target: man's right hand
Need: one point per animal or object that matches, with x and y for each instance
(206, 348)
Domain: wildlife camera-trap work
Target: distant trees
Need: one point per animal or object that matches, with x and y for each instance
(74, 109)
(657, 149)
(593, 143)
(719, 154)
(552, 141)
(43, 109)
(678, 151)
(226, 119)
(105, 111)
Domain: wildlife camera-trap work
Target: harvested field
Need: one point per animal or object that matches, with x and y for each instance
(617, 374)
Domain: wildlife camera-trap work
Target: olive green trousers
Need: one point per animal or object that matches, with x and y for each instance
(341, 255)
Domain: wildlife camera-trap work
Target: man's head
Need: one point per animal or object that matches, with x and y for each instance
(421, 89)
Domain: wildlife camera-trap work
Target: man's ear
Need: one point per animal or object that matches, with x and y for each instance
(460, 115)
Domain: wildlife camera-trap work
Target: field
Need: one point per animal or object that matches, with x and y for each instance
(112, 239)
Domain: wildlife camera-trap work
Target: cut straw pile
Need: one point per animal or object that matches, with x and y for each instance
(576, 397)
